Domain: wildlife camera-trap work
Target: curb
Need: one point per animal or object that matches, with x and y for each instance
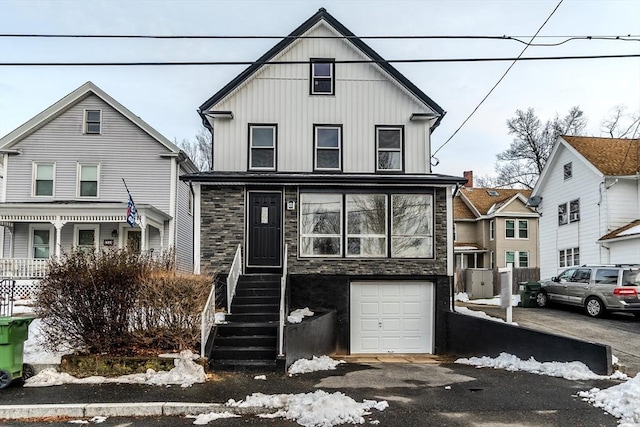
(140, 409)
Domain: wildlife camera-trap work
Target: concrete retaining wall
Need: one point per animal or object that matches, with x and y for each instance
(314, 336)
(472, 336)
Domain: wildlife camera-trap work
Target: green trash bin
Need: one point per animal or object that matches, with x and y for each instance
(529, 293)
(14, 331)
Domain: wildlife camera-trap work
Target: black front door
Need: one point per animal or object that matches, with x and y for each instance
(265, 222)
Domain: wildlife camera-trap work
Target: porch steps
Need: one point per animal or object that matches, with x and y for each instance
(249, 339)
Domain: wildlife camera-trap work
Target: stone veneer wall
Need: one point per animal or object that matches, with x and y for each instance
(222, 226)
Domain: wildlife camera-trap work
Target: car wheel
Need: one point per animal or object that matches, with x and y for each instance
(542, 299)
(594, 307)
(5, 379)
(27, 371)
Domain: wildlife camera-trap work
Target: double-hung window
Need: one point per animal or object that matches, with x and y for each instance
(85, 237)
(43, 179)
(568, 257)
(518, 259)
(389, 150)
(322, 77)
(88, 180)
(492, 229)
(92, 121)
(569, 212)
(366, 225)
(328, 147)
(521, 232)
(411, 226)
(40, 241)
(262, 147)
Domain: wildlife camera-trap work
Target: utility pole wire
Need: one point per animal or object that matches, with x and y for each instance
(358, 61)
(433, 156)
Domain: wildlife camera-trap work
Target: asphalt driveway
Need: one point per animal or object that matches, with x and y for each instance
(620, 331)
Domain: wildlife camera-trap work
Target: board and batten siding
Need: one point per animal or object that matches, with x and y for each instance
(184, 229)
(584, 185)
(279, 94)
(122, 150)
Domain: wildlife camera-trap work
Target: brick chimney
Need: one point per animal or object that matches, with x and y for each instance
(469, 176)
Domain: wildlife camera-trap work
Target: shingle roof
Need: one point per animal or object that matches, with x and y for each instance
(461, 210)
(611, 156)
(483, 201)
(631, 229)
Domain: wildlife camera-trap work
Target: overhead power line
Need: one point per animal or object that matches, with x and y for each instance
(519, 58)
(358, 61)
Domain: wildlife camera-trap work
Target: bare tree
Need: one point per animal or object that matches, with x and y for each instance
(522, 163)
(201, 150)
(619, 124)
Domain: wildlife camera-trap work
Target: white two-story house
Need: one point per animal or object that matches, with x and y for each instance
(323, 148)
(63, 186)
(589, 199)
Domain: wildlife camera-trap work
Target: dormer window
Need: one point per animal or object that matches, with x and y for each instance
(322, 77)
(92, 121)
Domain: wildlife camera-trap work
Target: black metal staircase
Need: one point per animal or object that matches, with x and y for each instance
(249, 339)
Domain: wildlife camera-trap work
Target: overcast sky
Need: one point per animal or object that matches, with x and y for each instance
(167, 97)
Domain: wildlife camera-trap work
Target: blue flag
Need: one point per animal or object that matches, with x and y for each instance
(132, 212)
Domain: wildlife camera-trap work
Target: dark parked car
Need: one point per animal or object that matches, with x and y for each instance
(597, 288)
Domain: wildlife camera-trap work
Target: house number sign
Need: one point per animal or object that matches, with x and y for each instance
(264, 215)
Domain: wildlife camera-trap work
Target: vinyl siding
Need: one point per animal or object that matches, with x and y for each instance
(122, 150)
(622, 204)
(279, 94)
(184, 229)
(624, 251)
(584, 185)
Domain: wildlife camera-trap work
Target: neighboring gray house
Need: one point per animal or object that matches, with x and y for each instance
(62, 185)
(327, 154)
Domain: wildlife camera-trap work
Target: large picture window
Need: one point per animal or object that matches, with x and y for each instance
(378, 225)
(411, 226)
(367, 225)
(43, 179)
(389, 148)
(320, 224)
(328, 146)
(262, 147)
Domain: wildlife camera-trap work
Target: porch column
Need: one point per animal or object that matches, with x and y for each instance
(143, 233)
(58, 224)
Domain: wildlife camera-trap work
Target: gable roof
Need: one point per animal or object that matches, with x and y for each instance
(461, 211)
(611, 156)
(73, 98)
(629, 231)
(322, 14)
(485, 203)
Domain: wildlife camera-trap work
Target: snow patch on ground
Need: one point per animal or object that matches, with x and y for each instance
(296, 316)
(622, 401)
(464, 297)
(219, 317)
(317, 409)
(203, 419)
(566, 370)
(322, 363)
(185, 373)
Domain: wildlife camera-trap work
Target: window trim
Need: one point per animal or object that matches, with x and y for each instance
(567, 170)
(492, 229)
(79, 180)
(272, 126)
(516, 258)
(516, 228)
(34, 227)
(312, 76)
(34, 176)
(87, 121)
(401, 150)
(316, 148)
(564, 253)
(78, 227)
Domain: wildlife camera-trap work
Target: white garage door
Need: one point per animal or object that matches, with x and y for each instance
(391, 317)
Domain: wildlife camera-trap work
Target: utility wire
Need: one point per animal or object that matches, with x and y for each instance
(433, 156)
(357, 61)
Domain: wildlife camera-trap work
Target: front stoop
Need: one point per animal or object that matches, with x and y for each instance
(249, 339)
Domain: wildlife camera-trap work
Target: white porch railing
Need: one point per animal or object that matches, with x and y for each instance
(208, 318)
(234, 275)
(283, 287)
(23, 268)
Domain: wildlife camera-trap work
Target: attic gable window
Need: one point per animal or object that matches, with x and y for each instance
(568, 170)
(322, 77)
(92, 121)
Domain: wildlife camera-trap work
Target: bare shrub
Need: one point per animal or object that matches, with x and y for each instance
(85, 299)
(166, 312)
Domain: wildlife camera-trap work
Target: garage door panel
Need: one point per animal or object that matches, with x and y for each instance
(391, 317)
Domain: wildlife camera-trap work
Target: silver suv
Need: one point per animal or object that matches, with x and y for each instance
(597, 288)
